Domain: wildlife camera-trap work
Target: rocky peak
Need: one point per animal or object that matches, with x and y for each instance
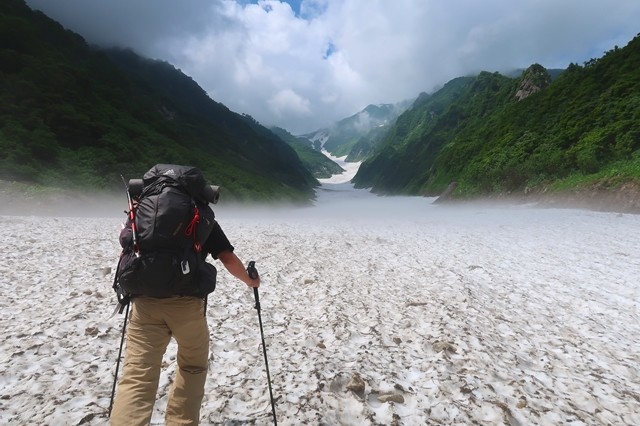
(534, 79)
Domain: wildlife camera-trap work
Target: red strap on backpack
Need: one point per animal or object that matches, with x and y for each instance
(191, 229)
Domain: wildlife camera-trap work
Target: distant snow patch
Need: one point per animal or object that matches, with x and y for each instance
(350, 169)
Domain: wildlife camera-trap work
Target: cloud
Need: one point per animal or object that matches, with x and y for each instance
(304, 64)
(288, 103)
(143, 25)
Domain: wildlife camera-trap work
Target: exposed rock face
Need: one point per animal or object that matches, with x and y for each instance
(534, 79)
(603, 196)
(624, 198)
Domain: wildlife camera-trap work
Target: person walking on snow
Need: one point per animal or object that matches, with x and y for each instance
(152, 323)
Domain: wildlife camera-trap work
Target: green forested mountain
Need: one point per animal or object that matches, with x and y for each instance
(366, 145)
(319, 164)
(358, 135)
(495, 134)
(74, 116)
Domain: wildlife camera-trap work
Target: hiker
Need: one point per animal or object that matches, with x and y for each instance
(154, 320)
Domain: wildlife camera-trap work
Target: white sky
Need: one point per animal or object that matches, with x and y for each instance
(304, 64)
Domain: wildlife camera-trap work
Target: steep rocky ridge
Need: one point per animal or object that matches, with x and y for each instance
(534, 79)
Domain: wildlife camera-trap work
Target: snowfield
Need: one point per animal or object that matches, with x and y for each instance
(387, 311)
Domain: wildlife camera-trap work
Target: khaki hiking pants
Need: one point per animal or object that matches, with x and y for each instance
(152, 324)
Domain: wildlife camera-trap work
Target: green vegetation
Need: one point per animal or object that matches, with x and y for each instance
(578, 129)
(611, 176)
(76, 117)
(320, 166)
(367, 144)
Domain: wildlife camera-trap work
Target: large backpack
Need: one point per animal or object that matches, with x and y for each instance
(171, 223)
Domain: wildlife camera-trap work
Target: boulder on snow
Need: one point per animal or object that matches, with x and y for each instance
(356, 384)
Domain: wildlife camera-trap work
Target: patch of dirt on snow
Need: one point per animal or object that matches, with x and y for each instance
(599, 197)
(623, 199)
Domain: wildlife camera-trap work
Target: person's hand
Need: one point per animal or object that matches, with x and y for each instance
(252, 273)
(254, 282)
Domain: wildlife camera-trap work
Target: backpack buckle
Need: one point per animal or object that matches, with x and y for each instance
(184, 265)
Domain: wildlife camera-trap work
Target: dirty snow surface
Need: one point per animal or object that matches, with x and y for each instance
(389, 311)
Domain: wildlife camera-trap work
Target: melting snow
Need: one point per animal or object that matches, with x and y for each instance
(449, 315)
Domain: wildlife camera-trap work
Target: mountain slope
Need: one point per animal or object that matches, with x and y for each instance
(496, 134)
(74, 116)
(360, 131)
(405, 153)
(319, 164)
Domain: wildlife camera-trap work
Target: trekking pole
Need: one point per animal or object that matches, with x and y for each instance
(123, 300)
(115, 377)
(253, 274)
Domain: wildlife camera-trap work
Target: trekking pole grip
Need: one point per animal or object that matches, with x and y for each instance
(252, 271)
(253, 274)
